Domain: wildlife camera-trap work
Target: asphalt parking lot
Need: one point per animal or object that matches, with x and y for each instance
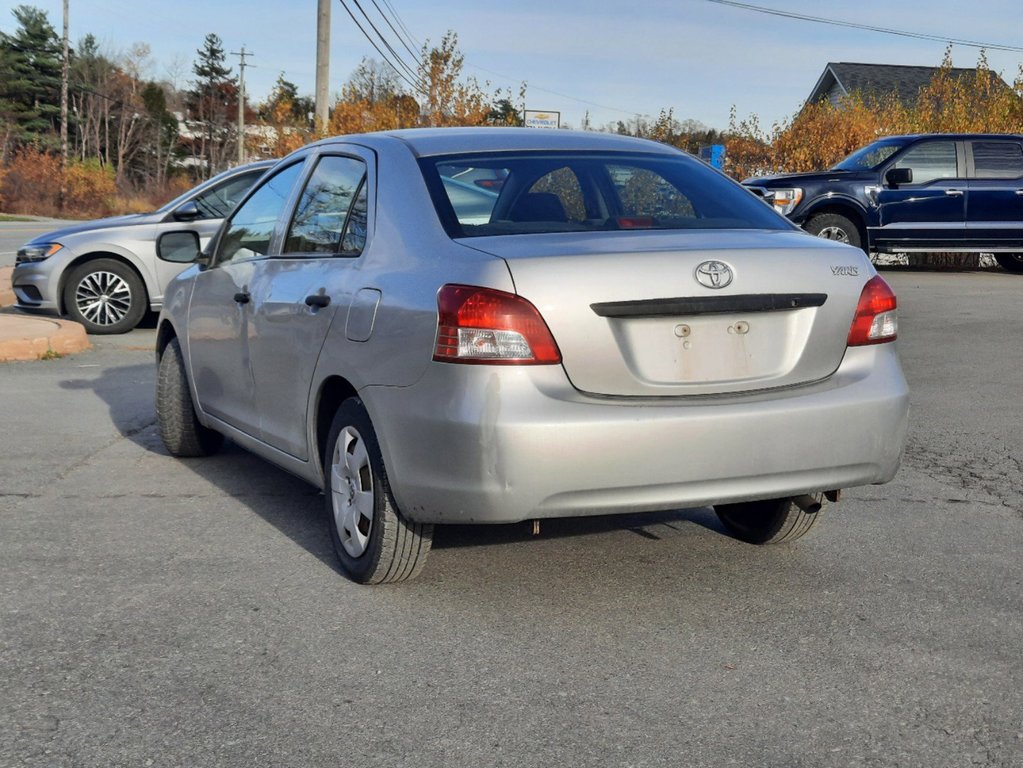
(158, 612)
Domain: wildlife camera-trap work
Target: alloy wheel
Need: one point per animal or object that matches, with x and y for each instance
(834, 233)
(103, 298)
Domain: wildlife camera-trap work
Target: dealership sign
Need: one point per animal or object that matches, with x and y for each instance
(534, 118)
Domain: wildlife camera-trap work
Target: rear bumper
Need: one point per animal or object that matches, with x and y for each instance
(479, 444)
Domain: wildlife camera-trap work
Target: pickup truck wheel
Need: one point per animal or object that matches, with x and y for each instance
(180, 430)
(374, 543)
(1010, 262)
(834, 226)
(106, 296)
(774, 521)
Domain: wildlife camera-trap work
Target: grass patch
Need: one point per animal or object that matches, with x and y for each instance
(6, 217)
(51, 354)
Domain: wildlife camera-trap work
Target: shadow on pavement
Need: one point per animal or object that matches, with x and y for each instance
(296, 509)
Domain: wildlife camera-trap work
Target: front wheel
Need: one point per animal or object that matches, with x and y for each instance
(1010, 262)
(834, 226)
(106, 296)
(180, 430)
(374, 543)
(774, 521)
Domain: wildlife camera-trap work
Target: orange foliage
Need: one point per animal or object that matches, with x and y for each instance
(822, 134)
(353, 114)
(31, 184)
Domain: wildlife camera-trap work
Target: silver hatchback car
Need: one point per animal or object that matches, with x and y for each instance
(105, 273)
(614, 328)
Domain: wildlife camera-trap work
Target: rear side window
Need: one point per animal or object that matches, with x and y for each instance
(997, 159)
(331, 205)
(588, 192)
(930, 161)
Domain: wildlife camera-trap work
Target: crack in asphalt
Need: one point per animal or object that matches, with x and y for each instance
(993, 472)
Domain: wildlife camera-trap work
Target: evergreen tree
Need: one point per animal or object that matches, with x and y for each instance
(214, 92)
(30, 88)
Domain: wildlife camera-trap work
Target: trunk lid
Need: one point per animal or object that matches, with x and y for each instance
(637, 313)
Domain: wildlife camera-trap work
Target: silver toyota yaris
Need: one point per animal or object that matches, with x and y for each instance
(495, 325)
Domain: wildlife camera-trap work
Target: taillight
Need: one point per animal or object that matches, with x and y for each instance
(483, 325)
(875, 321)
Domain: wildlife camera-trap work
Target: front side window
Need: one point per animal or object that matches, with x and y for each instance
(930, 161)
(997, 159)
(251, 228)
(589, 192)
(332, 204)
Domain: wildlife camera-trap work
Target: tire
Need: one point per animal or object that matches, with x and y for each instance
(1010, 262)
(106, 296)
(834, 226)
(374, 543)
(774, 521)
(180, 430)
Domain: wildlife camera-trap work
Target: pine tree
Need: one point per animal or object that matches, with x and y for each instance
(213, 94)
(30, 88)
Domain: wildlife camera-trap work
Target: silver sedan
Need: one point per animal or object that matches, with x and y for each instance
(614, 328)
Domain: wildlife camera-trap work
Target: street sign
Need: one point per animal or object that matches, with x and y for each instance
(534, 118)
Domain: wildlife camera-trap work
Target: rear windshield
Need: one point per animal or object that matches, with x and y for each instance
(501, 193)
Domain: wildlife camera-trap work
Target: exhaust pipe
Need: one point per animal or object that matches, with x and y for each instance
(807, 503)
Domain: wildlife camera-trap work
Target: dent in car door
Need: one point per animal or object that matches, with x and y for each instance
(931, 211)
(220, 326)
(299, 293)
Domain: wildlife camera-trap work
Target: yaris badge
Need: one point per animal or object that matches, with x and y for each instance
(714, 274)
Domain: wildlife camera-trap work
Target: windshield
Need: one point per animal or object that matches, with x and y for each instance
(503, 193)
(208, 204)
(871, 156)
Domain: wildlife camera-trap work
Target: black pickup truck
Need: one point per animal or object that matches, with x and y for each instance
(929, 192)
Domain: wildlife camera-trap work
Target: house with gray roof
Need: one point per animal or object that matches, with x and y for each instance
(842, 78)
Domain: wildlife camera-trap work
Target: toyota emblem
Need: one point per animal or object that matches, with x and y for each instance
(714, 274)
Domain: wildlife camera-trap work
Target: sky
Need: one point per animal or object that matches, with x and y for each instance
(611, 60)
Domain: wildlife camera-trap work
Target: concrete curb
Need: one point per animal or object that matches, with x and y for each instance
(32, 338)
(6, 293)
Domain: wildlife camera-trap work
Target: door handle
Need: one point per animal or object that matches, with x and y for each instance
(242, 297)
(954, 192)
(317, 300)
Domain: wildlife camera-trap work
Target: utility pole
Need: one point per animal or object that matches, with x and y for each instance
(322, 63)
(241, 99)
(64, 74)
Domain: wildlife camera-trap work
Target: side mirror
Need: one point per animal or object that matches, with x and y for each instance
(897, 176)
(179, 247)
(188, 211)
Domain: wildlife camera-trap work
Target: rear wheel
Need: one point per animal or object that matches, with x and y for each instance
(834, 226)
(1010, 262)
(374, 543)
(180, 430)
(774, 521)
(105, 296)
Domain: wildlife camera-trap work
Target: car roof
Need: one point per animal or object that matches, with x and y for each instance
(424, 142)
(952, 136)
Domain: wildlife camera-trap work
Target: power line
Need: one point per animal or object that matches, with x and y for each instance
(867, 27)
(412, 72)
(416, 86)
(401, 39)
